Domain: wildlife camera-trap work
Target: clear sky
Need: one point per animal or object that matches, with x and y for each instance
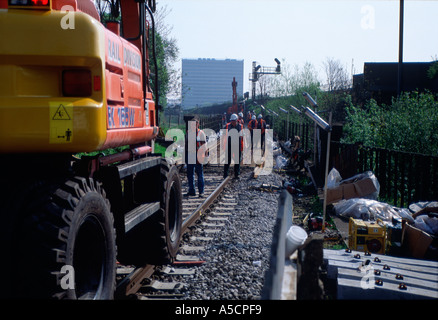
(300, 31)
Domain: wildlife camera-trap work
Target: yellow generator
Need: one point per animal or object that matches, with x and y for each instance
(366, 236)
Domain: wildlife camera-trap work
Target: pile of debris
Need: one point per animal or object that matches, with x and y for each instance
(385, 239)
(411, 232)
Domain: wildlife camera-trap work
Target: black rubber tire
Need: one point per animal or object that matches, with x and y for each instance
(70, 226)
(164, 227)
(172, 207)
(156, 240)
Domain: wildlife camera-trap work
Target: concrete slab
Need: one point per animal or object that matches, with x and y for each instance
(181, 257)
(328, 253)
(165, 286)
(387, 278)
(187, 248)
(376, 276)
(333, 265)
(177, 271)
(289, 285)
(195, 238)
(354, 289)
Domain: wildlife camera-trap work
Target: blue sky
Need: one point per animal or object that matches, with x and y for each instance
(300, 31)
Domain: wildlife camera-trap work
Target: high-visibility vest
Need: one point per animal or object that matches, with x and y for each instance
(239, 128)
(200, 140)
(252, 124)
(262, 125)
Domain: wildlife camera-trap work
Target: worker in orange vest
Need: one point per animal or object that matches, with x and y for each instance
(262, 125)
(224, 119)
(241, 120)
(233, 124)
(252, 124)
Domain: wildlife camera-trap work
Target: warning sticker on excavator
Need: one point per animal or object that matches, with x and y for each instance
(61, 122)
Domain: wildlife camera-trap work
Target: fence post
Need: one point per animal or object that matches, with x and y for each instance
(426, 177)
(395, 178)
(435, 178)
(410, 178)
(381, 175)
(402, 176)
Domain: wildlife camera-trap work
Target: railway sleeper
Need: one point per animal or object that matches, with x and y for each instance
(167, 270)
(156, 285)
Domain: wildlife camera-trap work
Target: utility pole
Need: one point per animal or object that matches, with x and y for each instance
(400, 50)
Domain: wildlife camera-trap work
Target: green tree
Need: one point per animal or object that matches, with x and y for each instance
(163, 76)
(432, 72)
(338, 86)
(167, 54)
(409, 124)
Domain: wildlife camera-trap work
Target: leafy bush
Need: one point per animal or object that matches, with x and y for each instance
(409, 124)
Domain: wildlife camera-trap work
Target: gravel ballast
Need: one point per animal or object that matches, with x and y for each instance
(237, 258)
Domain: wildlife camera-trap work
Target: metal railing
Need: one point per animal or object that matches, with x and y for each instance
(404, 177)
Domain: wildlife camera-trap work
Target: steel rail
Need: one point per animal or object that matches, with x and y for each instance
(191, 219)
(133, 282)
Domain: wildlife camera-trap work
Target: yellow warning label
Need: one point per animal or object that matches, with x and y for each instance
(61, 122)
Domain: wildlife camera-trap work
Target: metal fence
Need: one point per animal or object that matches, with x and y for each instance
(213, 122)
(287, 131)
(404, 177)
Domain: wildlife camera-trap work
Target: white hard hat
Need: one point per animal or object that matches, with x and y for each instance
(253, 117)
(240, 114)
(233, 117)
(260, 116)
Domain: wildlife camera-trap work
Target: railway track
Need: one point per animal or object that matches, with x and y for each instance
(202, 218)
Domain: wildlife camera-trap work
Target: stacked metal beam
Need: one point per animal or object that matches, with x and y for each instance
(374, 276)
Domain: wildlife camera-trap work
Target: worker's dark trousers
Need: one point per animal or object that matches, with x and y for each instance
(262, 142)
(191, 169)
(236, 164)
(256, 142)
